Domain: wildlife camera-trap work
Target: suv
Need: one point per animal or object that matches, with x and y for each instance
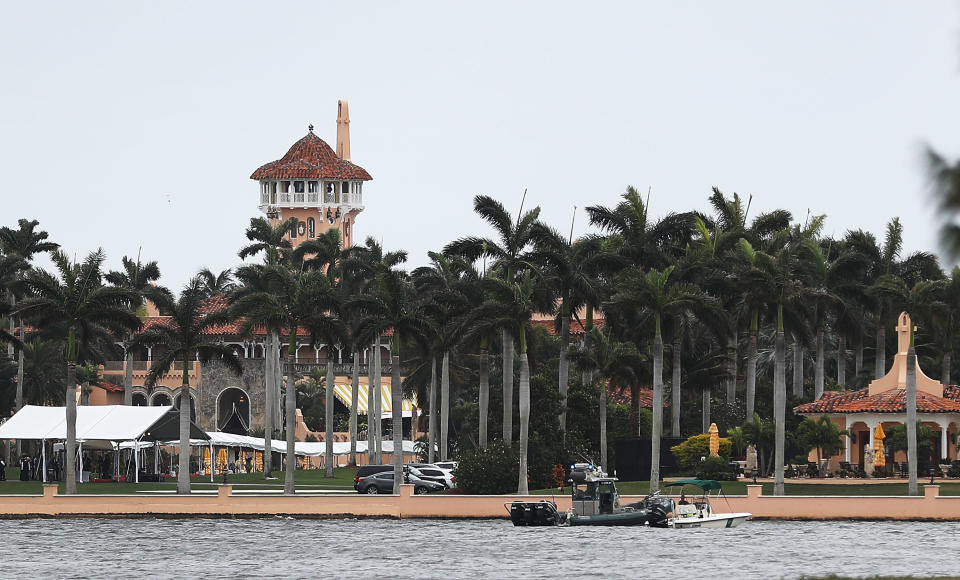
(383, 483)
(366, 470)
(431, 472)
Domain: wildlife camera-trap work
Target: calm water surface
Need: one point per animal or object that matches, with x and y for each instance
(360, 549)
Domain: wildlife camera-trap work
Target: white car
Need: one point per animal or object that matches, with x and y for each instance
(432, 472)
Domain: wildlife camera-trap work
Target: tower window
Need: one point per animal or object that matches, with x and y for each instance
(298, 187)
(293, 230)
(312, 187)
(345, 187)
(284, 187)
(311, 228)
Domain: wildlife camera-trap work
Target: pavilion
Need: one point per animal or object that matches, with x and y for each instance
(883, 403)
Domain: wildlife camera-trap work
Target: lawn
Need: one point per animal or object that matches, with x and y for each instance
(309, 480)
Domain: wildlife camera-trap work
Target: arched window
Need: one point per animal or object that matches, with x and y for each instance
(311, 228)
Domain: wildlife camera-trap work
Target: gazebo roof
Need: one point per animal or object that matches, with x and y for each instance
(892, 401)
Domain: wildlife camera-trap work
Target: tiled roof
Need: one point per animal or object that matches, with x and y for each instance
(311, 158)
(621, 396)
(576, 327)
(892, 401)
(107, 386)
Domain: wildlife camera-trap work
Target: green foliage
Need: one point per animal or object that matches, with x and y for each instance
(311, 438)
(821, 434)
(490, 471)
(715, 468)
(689, 452)
(897, 441)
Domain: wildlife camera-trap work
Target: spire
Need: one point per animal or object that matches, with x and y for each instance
(343, 130)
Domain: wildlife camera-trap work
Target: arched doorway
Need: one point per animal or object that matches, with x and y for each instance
(193, 410)
(139, 400)
(233, 411)
(161, 400)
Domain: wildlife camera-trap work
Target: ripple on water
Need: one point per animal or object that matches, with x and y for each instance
(217, 548)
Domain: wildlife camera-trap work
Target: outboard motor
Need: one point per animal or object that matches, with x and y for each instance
(534, 513)
(657, 516)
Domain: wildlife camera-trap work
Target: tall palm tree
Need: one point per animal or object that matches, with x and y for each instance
(187, 335)
(273, 241)
(296, 300)
(22, 243)
(80, 302)
(391, 305)
(658, 297)
(511, 254)
(944, 179)
(138, 278)
(215, 284)
(612, 362)
(511, 306)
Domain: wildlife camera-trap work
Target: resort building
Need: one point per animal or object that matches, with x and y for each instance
(323, 189)
(883, 403)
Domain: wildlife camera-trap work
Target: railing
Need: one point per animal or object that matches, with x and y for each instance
(144, 365)
(298, 198)
(340, 369)
(284, 198)
(113, 365)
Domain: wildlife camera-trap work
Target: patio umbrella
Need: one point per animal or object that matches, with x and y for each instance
(206, 460)
(879, 459)
(714, 440)
(222, 458)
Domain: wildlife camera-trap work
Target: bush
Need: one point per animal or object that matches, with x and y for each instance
(689, 452)
(954, 471)
(716, 468)
(488, 472)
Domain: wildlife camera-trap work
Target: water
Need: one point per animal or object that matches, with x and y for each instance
(360, 549)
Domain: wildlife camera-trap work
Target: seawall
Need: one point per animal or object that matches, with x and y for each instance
(929, 506)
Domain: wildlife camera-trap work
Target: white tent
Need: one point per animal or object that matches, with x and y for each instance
(302, 448)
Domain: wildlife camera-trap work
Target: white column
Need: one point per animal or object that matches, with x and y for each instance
(944, 441)
(339, 355)
(316, 355)
(846, 441)
(136, 461)
(43, 451)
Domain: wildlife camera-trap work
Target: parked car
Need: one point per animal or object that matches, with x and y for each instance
(366, 470)
(431, 472)
(383, 483)
(448, 465)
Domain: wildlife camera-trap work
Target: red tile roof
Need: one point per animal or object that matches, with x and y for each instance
(621, 396)
(576, 327)
(107, 386)
(311, 158)
(892, 401)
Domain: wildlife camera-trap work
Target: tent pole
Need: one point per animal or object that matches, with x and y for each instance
(80, 457)
(136, 461)
(213, 462)
(43, 451)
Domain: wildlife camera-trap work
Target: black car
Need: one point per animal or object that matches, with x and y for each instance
(366, 470)
(383, 483)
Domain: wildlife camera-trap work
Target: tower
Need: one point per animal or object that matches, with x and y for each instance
(312, 183)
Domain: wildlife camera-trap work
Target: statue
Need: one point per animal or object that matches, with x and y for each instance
(868, 460)
(751, 467)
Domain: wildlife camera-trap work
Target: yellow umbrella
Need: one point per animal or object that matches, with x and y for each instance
(222, 459)
(259, 461)
(714, 440)
(206, 461)
(879, 459)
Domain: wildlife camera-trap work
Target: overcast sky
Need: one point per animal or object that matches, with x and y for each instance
(135, 124)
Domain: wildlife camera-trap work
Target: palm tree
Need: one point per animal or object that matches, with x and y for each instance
(945, 182)
(80, 302)
(187, 334)
(821, 434)
(658, 297)
(512, 257)
(274, 242)
(391, 304)
(215, 284)
(615, 364)
(22, 243)
(138, 278)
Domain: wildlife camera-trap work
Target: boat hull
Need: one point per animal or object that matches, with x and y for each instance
(713, 521)
(637, 518)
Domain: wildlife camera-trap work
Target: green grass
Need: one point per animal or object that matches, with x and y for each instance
(308, 480)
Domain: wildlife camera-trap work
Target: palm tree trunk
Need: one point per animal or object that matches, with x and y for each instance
(603, 427)
(378, 400)
(818, 377)
(371, 399)
(675, 387)
(354, 404)
(183, 469)
(731, 370)
(268, 377)
(127, 376)
(20, 354)
(705, 410)
(797, 367)
(858, 357)
(484, 392)
(564, 370)
(522, 486)
(779, 409)
(432, 422)
(445, 407)
(396, 396)
(71, 443)
(751, 395)
(10, 352)
(657, 429)
(880, 364)
(945, 374)
(289, 473)
(911, 396)
(327, 421)
(841, 360)
(507, 388)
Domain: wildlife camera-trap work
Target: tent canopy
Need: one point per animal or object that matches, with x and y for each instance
(302, 448)
(342, 391)
(99, 423)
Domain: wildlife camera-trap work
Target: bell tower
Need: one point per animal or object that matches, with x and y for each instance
(323, 189)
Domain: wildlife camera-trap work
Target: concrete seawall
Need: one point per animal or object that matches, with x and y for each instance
(225, 503)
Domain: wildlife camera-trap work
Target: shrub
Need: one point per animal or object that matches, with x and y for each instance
(689, 452)
(716, 468)
(311, 438)
(954, 471)
(491, 471)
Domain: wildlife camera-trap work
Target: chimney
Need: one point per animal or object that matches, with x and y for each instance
(343, 130)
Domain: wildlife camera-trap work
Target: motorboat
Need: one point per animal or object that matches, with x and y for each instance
(595, 502)
(698, 512)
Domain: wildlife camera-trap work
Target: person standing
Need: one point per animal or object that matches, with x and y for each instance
(25, 468)
(3, 469)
